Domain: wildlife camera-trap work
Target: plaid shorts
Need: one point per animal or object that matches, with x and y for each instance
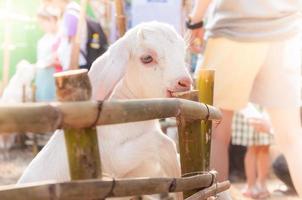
(244, 134)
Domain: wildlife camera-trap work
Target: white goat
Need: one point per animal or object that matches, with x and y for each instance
(25, 74)
(148, 62)
(13, 93)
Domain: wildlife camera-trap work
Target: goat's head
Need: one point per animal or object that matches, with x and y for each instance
(149, 59)
(25, 73)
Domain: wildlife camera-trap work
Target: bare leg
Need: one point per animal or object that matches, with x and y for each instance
(263, 164)
(250, 167)
(220, 145)
(288, 135)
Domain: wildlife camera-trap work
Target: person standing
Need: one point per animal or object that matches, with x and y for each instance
(255, 48)
(251, 128)
(46, 54)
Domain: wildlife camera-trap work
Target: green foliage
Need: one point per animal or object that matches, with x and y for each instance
(24, 31)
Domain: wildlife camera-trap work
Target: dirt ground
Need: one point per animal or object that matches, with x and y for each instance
(13, 163)
(275, 187)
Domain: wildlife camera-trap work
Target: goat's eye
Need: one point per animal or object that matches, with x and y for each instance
(147, 59)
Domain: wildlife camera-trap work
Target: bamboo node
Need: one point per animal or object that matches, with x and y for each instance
(172, 186)
(110, 193)
(208, 114)
(214, 181)
(100, 106)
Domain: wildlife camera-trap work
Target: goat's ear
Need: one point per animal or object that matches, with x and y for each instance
(107, 70)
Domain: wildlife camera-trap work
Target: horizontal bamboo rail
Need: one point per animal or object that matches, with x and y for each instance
(99, 189)
(43, 117)
(214, 190)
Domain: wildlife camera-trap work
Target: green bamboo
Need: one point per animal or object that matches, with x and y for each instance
(189, 145)
(82, 144)
(205, 85)
(195, 136)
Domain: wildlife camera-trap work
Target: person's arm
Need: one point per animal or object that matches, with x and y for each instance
(199, 10)
(196, 16)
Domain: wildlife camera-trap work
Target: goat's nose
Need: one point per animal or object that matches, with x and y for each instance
(184, 83)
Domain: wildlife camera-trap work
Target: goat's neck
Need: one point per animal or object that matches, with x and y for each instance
(123, 91)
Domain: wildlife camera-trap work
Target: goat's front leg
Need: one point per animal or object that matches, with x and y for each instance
(168, 157)
(168, 160)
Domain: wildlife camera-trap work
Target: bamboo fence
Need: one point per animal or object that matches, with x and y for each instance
(46, 117)
(101, 189)
(78, 117)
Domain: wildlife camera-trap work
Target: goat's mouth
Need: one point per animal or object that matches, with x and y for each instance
(175, 94)
(169, 93)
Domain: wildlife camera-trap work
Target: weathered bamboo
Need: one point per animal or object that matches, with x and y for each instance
(98, 189)
(214, 190)
(205, 85)
(81, 144)
(190, 145)
(120, 17)
(45, 117)
(23, 93)
(6, 44)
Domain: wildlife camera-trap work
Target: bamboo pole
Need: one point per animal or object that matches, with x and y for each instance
(205, 85)
(214, 190)
(120, 17)
(46, 117)
(6, 44)
(195, 136)
(82, 144)
(23, 93)
(76, 42)
(190, 145)
(99, 189)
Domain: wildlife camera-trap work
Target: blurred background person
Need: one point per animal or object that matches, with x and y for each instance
(251, 128)
(47, 60)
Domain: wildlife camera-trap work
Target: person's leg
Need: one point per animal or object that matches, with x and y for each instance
(263, 163)
(288, 136)
(220, 144)
(250, 167)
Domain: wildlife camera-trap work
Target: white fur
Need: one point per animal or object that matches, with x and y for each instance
(25, 73)
(13, 93)
(138, 149)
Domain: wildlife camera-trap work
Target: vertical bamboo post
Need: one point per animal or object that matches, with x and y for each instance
(76, 42)
(190, 143)
(120, 17)
(23, 93)
(35, 147)
(6, 44)
(82, 144)
(205, 86)
(195, 136)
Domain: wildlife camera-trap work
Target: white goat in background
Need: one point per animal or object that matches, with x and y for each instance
(13, 93)
(148, 62)
(25, 74)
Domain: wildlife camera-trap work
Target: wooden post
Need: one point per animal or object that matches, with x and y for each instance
(205, 86)
(120, 17)
(195, 136)
(6, 44)
(82, 144)
(190, 145)
(76, 41)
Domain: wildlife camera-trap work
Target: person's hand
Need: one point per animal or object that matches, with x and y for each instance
(196, 39)
(260, 125)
